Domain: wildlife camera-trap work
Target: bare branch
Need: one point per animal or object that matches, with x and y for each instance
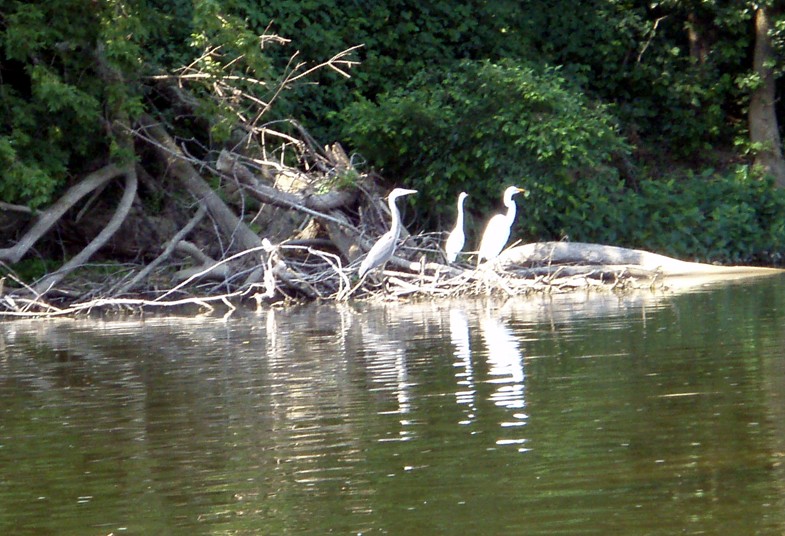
(51, 215)
(230, 224)
(97, 243)
(16, 208)
(167, 252)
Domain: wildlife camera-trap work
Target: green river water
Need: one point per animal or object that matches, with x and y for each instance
(564, 415)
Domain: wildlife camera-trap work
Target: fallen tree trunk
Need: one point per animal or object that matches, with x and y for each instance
(114, 224)
(550, 267)
(597, 255)
(171, 245)
(313, 204)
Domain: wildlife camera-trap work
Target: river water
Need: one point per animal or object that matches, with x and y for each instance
(588, 414)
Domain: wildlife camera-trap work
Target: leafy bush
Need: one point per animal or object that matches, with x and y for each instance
(55, 95)
(731, 217)
(400, 38)
(635, 55)
(480, 126)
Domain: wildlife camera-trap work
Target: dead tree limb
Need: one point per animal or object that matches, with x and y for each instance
(545, 253)
(167, 252)
(114, 224)
(208, 267)
(243, 237)
(50, 216)
(17, 208)
(344, 237)
(312, 204)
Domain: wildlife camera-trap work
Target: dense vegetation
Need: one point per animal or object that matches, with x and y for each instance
(630, 122)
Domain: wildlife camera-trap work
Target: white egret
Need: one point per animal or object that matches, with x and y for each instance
(497, 232)
(455, 241)
(383, 249)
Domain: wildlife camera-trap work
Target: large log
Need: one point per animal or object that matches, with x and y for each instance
(310, 203)
(597, 255)
(98, 242)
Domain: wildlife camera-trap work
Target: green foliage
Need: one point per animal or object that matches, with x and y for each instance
(730, 217)
(671, 66)
(45, 118)
(666, 89)
(53, 96)
(480, 126)
(449, 96)
(400, 39)
(587, 210)
(237, 53)
(32, 269)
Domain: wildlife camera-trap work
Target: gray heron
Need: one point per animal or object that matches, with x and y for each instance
(455, 241)
(497, 232)
(384, 248)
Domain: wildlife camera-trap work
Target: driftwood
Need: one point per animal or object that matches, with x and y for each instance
(171, 245)
(578, 253)
(218, 253)
(602, 260)
(230, 257)
(322, 266)
(300, 272)
(309, 203)
(338, 221)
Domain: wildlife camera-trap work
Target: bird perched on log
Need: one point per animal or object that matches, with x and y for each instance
(384, 248)
(456, 240)
(497, 232)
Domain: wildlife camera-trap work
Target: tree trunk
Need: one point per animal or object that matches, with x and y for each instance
(611, 257)
(696, 35)
(234, 228)
(764, 132)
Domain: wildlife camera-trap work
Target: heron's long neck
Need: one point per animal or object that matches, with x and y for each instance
(395, 224)
(459, 220)
(510, 216)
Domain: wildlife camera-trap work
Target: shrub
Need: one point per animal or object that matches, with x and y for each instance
(480, 126)
(733, 217)
(48, 118)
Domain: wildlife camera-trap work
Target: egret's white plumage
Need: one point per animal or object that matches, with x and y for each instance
(497, 232)
(456, 240)
(383, 249)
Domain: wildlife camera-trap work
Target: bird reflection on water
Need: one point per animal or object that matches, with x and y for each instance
(506, 371)
(459, 336)
(386, 363)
